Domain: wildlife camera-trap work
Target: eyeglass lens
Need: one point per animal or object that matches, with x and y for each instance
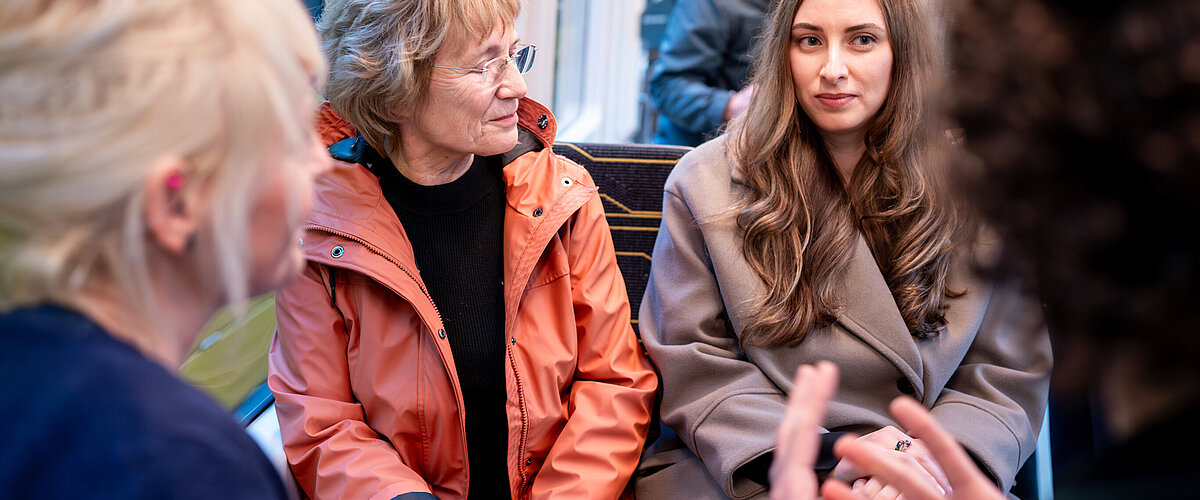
(523, 59)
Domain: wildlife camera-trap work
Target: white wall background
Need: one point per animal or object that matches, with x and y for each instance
(589, 65)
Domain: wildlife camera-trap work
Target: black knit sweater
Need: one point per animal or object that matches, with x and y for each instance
(457, 234)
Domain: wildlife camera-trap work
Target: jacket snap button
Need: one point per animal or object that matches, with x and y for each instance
(514, 340)
(905, 386)
(537, 212)
(337, 252)
(441, 333)
(543, 122)
(566, 181)
(528, 462)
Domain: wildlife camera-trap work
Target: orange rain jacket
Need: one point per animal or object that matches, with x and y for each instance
(368, 398)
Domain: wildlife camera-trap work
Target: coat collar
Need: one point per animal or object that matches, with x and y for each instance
(869, 311)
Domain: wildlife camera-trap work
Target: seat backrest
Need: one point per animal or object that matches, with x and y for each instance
(630, 178)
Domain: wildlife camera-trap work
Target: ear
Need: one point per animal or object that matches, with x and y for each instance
(169, 206)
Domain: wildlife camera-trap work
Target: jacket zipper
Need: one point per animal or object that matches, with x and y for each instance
(524, 421)
(512, 360)
(421, 286)
(371, 247)
(511, 356)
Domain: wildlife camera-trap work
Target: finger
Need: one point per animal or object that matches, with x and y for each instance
(888, 492)
(793, 412)
(892, 467)
(924, 456)
(837, 490)
(846, 471)
(887, 437)
(953, 459)
(873, 487)
(811, 392)
(796, 441)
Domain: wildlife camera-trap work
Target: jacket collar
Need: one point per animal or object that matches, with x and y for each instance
(536, 129)
(349, 204)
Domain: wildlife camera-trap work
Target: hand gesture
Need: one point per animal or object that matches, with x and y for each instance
(902, 447)
(796, 443)
(907, 477)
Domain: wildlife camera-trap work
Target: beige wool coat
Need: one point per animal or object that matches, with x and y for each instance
(985, 377)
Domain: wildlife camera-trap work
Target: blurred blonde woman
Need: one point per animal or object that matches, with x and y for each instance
(137, 139)
(820, 228)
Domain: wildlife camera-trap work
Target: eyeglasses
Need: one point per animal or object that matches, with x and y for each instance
(492, 71)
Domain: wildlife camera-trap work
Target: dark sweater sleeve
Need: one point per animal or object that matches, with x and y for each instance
(417, 495)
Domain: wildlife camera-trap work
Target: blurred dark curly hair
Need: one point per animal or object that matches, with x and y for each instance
(1084, 117)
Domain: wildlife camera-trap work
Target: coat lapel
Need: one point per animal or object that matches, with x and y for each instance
(869, 312)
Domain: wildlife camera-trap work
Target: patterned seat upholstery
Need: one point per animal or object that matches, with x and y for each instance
(630, 178)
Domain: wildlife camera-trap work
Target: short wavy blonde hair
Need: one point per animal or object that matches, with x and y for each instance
(96, 92)
(381, 53)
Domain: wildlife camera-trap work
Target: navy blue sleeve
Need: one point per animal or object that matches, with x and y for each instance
(215, 469)
(684, 80)
(91, 449)
(91, 417)
(416, 495)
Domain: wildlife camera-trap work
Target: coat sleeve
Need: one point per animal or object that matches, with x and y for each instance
(684, 78)
(720, 404)
(332, 451)
(613, 392)
(996, 398)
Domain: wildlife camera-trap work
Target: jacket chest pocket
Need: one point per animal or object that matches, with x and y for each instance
(552, 266)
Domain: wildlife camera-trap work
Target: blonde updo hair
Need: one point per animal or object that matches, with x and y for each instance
(95, 93)
(381, 53)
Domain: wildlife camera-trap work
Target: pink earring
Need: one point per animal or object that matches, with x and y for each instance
(174, 181)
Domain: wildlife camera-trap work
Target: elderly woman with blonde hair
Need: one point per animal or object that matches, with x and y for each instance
(136, 138)
(462, 327)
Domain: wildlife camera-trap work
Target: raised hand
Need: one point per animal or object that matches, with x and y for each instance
(796, 442)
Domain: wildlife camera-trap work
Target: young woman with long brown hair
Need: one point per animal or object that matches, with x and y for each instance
(817, 228)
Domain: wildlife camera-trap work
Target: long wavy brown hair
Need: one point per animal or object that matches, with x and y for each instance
(800, 221)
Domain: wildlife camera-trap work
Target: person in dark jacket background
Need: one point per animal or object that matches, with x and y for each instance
(699, 80)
